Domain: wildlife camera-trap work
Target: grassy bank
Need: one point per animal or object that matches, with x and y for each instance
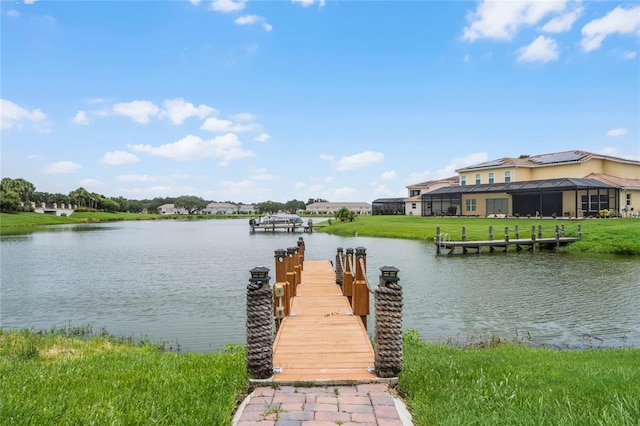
(64, 378)
(510, 384)
(614, 236)
(73, 377)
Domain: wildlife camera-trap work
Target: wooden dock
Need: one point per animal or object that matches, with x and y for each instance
(287, 227)
(443, 243)
(321, 341)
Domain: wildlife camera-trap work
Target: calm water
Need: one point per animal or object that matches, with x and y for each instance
(185, 282)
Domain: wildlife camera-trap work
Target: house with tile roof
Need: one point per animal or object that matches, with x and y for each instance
(570, 183)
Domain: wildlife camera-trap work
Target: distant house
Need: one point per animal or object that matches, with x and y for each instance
(247, 209)
(411, 205)
(220, 208)
(569, 183)
(171, 209)
(328, 208)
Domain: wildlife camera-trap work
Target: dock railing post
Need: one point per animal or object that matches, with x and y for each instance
(533, 238)
(557, 237)
(464, 233)
(506, 234)
(562, 230)
(297, 268)
(517, 233)
(388, 324)
(289, 290)
(301, 252)
(490, 233)
(438, 240)
(280, 285)
(339, 267)
(579, 231)
(360, 289)
(539, 231)
(347, 286)
(259, 325)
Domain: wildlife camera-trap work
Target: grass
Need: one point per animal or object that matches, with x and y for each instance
(77, 376)
(62, 378)
(511, 384)
(613, 236)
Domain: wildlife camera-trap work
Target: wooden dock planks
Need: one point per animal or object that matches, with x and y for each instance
(321, 341)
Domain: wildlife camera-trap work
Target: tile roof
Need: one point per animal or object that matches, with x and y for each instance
(615, 181)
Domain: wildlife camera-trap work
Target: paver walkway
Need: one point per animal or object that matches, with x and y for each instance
(364, 404)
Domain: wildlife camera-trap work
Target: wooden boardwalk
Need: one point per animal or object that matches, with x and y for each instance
(321, 341)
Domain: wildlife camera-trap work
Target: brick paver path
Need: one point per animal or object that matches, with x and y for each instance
(366, 404)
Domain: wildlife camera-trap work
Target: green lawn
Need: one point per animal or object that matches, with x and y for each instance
(615, 236)
(75, 376)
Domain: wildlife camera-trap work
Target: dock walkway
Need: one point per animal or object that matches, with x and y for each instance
(321, 341)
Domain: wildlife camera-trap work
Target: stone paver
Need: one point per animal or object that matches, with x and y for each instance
(362, 405)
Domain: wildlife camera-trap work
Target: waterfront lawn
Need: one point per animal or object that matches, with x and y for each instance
(614, 236)
(58, 379)
(511, 384)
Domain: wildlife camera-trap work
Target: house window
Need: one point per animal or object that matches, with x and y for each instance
(477, 178)
(413, 205)
(507, 176)
(463, 180)
(414, 192)
(491, 177)
(594, 203)
(628, 199)
(470, 204)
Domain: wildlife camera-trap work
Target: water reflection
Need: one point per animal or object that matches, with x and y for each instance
(185, 281)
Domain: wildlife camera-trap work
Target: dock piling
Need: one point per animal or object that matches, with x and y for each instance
(259, 325)
(388, 324)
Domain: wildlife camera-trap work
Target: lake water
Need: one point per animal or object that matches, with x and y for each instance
(185, 282)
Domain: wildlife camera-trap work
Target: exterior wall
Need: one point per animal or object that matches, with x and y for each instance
(484, 176)
(628, 171)
(410, 210)
(481, 203)
(632, 209)
(555, 171)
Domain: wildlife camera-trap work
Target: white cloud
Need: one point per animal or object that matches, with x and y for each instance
(195, 2)
(617, 132)
(389, 175)
(92, 183)
(631, 54)
(619, 20)
(262, 137)
(362, 159)
(30, 1)
(139, 178)
(562, 23)
(223, 126)
(13, 116)
(227, 5)
(117, 158)
(81, 118)
(13, 14)
(62, 167)
(138, 111)
(502, 19)
(344, 193)
(177, 110)
(254, 19)
(95, 101)
(307, 3)
(226, 148)
(543, 49)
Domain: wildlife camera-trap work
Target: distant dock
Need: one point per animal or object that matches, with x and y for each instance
(443, 242)
(288, 226)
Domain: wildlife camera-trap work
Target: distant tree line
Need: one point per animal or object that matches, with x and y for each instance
(17, 195)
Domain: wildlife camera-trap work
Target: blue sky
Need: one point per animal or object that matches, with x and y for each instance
(250, 101)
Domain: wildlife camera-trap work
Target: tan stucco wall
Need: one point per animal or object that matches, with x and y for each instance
(481, 203)
(574, 170)
(635, 201)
